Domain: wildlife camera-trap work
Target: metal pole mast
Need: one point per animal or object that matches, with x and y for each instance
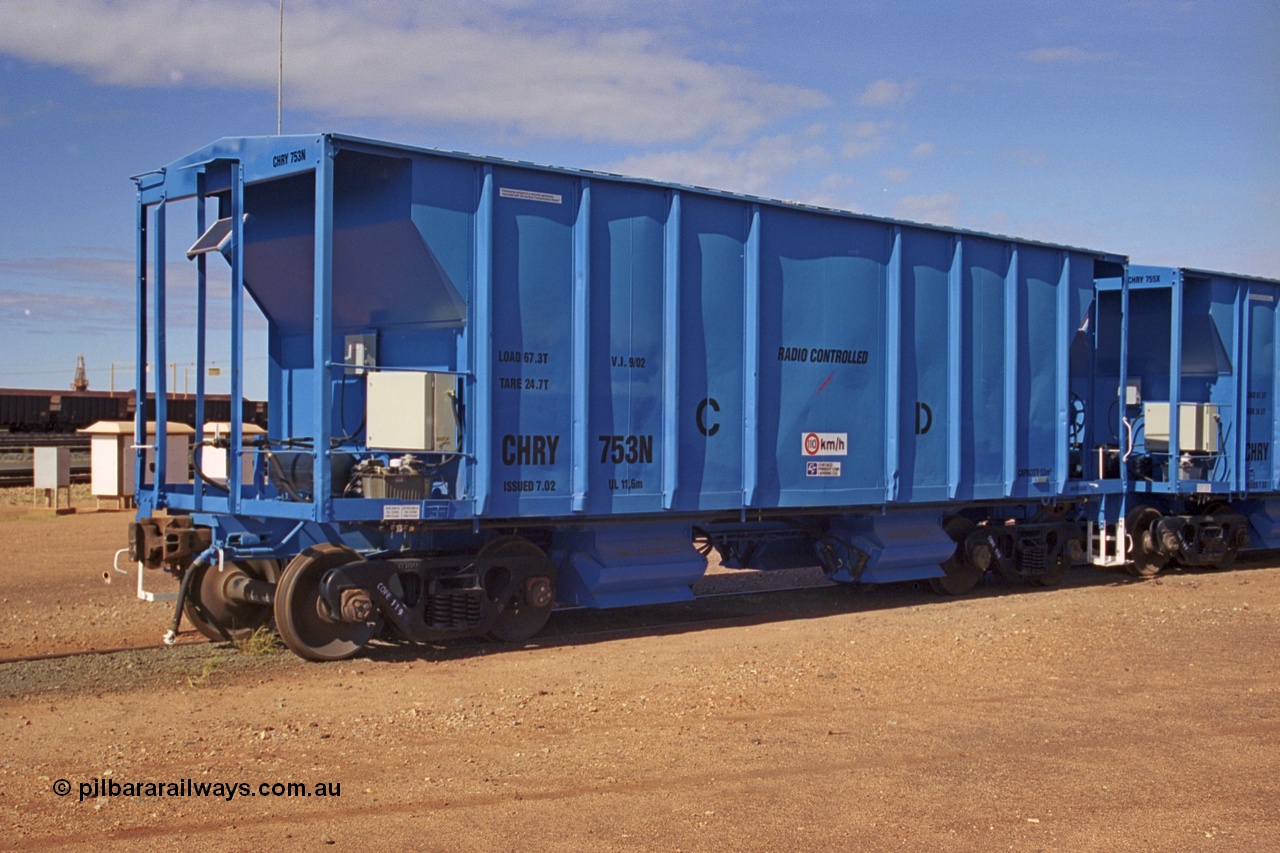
(280, 78)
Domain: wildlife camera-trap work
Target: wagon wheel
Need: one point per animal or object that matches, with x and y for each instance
(702, 542)
(303, 618)
(212, 608)
(961, 574)
(1056, 570)
(1145, 559)
(528, 601)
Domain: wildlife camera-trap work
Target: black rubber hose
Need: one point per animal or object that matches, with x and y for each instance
(283, 479)
(205, 559)
(195, 464)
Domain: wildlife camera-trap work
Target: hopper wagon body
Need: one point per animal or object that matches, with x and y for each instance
(494, 387)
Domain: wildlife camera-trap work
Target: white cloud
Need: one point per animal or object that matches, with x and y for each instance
(836, 190)
(755, 169)
(866, 138)
(78, 311)
(1062, 55)
(923, 150)
(935, 209)
(885, 92)
(95, 289)
(576, 76)
(89, 271)
(897, 176)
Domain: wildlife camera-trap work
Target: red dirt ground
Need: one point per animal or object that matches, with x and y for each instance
(1105, 715)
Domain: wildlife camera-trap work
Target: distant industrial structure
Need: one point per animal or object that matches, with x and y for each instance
(34, 410)
(81, 381)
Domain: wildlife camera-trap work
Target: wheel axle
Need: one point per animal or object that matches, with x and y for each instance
(243, 589)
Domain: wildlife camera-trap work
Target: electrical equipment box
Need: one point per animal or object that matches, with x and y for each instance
(52, 467)
(394, 484)
(410, 410)
(215, 462)
(360, 352)
(112, 451)
(1133, 392)
(1197, 427)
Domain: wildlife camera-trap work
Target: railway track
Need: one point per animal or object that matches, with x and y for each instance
(115, 650)
(575, 624)
(16, 474)
(17, 458)
(24, 441)
(812, 598)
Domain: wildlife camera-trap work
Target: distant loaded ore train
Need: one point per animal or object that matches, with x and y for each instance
(497, 388)
(35, 411)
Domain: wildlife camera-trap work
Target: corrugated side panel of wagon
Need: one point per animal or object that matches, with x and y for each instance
(663, 349)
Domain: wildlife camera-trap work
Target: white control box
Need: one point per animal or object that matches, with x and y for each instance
(216, 463)
(1197, 427)
(51, 467)
(112, 452)
(410, 410)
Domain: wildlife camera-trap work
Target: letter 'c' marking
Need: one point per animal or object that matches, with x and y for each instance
(701, 417)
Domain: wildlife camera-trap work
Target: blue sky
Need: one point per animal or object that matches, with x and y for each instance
(1146, 128)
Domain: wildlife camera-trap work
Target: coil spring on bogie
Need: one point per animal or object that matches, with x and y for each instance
(1210, 541)
(1033, 559)
(451, 610)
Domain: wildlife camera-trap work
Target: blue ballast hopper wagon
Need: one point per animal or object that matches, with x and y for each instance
(495, 387)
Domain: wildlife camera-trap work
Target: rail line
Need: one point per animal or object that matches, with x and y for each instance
(572, 625)
(24, 440)
(17, 477)
(553, 638)
(17, 465)
(114, 650)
